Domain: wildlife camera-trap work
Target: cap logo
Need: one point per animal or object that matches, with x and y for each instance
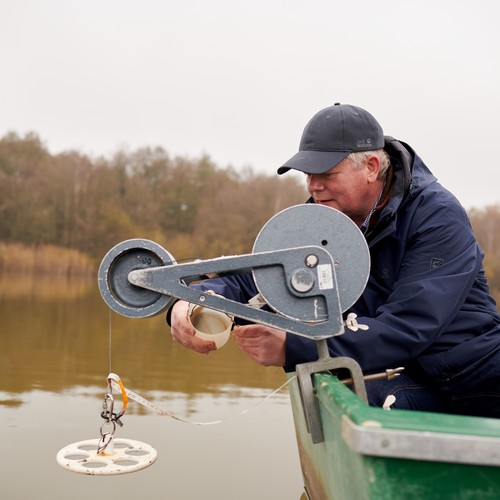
(364, 143)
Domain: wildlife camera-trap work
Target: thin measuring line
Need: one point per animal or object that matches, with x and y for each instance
(110, 340)
(166, 413)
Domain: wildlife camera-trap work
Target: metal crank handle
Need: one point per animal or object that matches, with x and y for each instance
(389, 374)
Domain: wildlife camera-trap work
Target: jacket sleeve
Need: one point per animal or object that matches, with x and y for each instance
(418, 284)
(239, 287)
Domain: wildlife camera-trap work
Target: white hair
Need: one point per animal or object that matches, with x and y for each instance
(358, 158)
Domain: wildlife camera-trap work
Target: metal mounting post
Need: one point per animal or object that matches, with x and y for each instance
(308, 393)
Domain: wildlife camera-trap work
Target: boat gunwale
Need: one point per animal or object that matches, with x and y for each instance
(408, 434)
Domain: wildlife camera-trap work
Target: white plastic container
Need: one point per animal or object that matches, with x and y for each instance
(211, 325)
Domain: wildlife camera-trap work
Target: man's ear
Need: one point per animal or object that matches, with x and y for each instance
(373, 167)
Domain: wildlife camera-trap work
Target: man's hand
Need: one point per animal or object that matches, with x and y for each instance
(264, 345)
(183, 331)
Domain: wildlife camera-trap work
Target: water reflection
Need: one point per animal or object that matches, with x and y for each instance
(54, 359)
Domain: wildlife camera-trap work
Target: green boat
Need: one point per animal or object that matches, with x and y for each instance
(349, 450)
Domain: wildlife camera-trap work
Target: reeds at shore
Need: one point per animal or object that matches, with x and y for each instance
(44, 259)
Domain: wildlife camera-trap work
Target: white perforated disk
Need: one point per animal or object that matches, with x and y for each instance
(128, 456)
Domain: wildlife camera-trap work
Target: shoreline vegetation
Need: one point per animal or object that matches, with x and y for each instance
(45, 260)
(60, 214)
(54, 261)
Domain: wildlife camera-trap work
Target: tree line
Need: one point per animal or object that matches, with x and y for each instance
(189, 206)
(192, 207)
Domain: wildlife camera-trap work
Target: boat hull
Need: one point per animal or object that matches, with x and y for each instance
(371, 453)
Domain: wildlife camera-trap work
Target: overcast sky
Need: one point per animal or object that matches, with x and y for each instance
(238, 80)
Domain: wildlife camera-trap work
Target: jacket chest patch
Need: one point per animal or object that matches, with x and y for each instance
(383, 273)
(436, 262)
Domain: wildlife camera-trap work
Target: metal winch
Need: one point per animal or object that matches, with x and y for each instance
(310, 264)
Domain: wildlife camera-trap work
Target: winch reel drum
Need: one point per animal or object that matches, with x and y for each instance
(304, 225)
(122, 296)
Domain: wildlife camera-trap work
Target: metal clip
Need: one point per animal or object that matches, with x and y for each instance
(107, 413)
(107, 406)
(106, 437)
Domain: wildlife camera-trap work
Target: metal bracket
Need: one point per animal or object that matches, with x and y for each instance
(308, 393)
(174, 280)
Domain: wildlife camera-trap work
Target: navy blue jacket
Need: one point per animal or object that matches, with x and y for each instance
(427, 303)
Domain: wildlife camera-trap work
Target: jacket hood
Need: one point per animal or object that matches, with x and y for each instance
(410, 173)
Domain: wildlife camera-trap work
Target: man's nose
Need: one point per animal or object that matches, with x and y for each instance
(314, 182)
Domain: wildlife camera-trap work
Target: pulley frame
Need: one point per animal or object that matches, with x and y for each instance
(174, 280)
(310, 263)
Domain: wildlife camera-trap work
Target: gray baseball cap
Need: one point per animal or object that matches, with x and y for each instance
(331, 135)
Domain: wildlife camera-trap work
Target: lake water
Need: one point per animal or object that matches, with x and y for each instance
(54, 362)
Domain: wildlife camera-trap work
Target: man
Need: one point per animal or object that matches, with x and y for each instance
(427, 304)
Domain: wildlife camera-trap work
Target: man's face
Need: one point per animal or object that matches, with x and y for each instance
(344, 188)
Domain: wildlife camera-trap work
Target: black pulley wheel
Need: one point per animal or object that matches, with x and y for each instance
(117, 291)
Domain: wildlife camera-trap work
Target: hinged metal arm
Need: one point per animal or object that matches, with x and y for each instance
(174, 281)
